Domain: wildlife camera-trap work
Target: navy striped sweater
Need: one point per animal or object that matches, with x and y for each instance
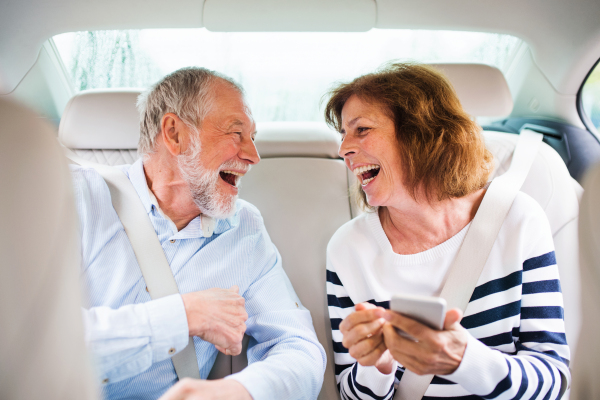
(517, 346)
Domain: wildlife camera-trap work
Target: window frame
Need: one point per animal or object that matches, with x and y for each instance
(585, 119)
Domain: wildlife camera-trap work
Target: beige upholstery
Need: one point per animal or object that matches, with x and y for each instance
(482, 89)
(586, 362)
(102, 126)
(551, 185)
(41, 334)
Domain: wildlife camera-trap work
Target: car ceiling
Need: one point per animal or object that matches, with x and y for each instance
(564, 36)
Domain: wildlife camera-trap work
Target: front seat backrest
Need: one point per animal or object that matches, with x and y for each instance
(586, 362)
(41, 329)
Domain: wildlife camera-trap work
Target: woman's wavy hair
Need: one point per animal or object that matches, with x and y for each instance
(440, 145)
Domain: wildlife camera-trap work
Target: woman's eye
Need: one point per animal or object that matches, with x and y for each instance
(362, 129)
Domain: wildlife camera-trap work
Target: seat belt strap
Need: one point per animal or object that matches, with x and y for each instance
(477, 245)
(147, 248)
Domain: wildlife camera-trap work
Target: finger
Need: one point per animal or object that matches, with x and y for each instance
(221, 349)
(360, 317)
(453, 317)
(362, 331)
(365, 347)
(234, 350)
(235, 289)
(180, 390)
(409, 325)
(399, 346)
(374, 356)
(364, 306)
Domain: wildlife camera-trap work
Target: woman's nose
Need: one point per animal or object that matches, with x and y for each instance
(347, 148)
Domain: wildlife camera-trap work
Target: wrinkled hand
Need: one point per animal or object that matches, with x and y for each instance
(194, 389)
(217, 316)
(363, 337)
(435, 352)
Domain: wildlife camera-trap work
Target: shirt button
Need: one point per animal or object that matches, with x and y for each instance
(172, 350)
(104, 381)
(172, 240)
(296, 305)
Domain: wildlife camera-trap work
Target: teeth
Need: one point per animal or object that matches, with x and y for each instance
(361, 170)
(233, 173)
(366, 181)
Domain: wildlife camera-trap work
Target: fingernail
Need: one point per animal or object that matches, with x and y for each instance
(381, 321)
(387, 316)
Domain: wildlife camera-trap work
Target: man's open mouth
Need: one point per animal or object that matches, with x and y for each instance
(367, 173)
(231, 177)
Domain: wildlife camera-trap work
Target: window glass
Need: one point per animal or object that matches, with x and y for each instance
(590, 97)
(285, 75)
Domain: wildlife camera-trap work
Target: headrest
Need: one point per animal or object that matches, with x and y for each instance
(482, 90)
(296, 139)
(101, 119)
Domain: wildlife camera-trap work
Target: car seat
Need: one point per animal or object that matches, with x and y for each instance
(41, 339)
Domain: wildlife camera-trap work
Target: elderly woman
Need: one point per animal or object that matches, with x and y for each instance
(423, 169)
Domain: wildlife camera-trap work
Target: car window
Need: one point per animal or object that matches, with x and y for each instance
(590, 97)
(285, 74)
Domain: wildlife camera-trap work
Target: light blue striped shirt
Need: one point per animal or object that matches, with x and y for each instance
(130, 335)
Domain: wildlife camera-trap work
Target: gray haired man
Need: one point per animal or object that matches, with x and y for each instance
(197, 141)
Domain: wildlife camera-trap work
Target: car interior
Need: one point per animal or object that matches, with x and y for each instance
(301, 186)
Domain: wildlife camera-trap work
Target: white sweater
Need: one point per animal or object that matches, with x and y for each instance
(517, 346)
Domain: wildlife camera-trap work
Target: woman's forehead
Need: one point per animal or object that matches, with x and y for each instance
(357, 110)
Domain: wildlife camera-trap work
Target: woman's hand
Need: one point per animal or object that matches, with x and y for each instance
(363, 337)
(435, 352)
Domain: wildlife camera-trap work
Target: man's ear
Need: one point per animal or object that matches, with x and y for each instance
(171, 133)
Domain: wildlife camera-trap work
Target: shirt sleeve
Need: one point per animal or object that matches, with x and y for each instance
(286, 360)
(354, 381)
(125, 342)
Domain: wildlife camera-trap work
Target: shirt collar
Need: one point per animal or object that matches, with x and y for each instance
(194, 228)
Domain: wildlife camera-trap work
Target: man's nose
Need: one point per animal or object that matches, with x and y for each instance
(248, 152)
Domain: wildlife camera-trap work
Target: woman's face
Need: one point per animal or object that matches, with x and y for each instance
(370, 150)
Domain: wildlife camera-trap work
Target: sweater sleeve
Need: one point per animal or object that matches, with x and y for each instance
(354, 381)
(538, 369)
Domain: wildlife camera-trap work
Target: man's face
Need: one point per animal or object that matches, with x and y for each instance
(216, 159)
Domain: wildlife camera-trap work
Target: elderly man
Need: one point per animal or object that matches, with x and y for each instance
(197, 141)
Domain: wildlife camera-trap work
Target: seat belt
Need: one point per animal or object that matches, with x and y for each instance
(146, 246)
(477, 245)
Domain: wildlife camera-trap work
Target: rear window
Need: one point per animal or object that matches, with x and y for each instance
(590, 97)
(285, 75)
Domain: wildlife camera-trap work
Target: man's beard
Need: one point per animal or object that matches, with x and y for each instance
(203, 182)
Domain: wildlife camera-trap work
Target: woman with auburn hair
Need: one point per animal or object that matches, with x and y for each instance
(422, 170)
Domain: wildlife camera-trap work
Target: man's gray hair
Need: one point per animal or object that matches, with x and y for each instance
(187, 93)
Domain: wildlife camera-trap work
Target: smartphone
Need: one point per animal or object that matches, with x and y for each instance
(430, 311)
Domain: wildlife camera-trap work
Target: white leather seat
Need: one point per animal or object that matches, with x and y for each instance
(102, 126)
(301, 188)
(41, 334)
(550, 183)
(587, 357)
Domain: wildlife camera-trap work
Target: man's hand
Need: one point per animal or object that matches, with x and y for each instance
(194, 389)
(435, 352)
(217, 316)
(363, 337)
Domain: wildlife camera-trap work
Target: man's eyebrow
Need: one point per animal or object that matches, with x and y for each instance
(235, 122)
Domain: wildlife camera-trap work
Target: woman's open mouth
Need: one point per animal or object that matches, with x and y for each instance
(367, 173)
(230, 177)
